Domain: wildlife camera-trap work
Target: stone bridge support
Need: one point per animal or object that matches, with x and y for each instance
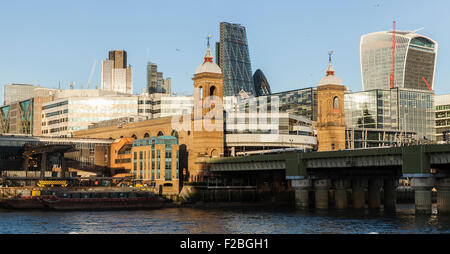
(359, 186)
(374, 193)
(64, 168)
(302, 189)
(443, 196)
(390, 194)
(341, 186)
(43, 164)
(422, 188)
(321, 188)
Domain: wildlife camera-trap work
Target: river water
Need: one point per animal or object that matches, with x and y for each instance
(222, 221)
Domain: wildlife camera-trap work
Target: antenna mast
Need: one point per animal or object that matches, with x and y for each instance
(392, 81)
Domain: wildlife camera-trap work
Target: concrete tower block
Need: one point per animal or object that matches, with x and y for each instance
(422, 188)
(302, 188)
(321, 188)
(443, 196)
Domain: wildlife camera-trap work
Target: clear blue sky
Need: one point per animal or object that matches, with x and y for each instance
(43, 42)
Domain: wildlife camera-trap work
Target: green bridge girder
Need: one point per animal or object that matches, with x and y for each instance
(413, 160)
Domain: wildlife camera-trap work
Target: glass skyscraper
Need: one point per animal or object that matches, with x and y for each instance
(415, 60)
(262, 86)
(234, 59)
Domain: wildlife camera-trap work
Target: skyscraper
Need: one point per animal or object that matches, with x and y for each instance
(234, 59)
(415, 60)
(155, 80)
(262, 86)
(116, 75)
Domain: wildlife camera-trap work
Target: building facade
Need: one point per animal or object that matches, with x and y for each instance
(233, 57)
(116, 75)
(156, 82)
(17, 92)
(400, 110)
(156, 162)
(442, 107)
(74, 110)
(415, 60)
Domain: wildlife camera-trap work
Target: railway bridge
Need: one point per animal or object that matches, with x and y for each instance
(29, 153)
(354, 173)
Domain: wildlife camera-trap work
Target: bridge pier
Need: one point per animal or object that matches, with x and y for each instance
(374, 193)
(341, 186)
(43, 164)
(64, 169)
(359, 193)
(422, 188)
(302, 188)
(390, 194)
(443, 196)
(322, 187)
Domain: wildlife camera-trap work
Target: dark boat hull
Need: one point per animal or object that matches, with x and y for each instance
(103, 204)
(23, 204)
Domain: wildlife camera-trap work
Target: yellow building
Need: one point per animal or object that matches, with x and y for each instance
(330, 114)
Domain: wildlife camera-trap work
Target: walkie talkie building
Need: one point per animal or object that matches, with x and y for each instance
(415, 60)
(234, 59)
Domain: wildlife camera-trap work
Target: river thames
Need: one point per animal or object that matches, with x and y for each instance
(222, 221)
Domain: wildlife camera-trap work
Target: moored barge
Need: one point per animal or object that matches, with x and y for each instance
(103, 201)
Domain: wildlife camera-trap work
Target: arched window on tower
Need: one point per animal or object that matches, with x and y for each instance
(336, 103)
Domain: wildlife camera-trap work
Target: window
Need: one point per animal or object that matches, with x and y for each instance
(158, 164)
(336, 103)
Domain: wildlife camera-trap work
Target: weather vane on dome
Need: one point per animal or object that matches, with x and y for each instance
(330, 53)
(208, 38)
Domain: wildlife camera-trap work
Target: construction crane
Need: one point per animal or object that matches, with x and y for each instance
(426, 83)
(92, 73)
(392, 81)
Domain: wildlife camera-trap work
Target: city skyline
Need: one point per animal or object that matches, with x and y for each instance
(280, 43)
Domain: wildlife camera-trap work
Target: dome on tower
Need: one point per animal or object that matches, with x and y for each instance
(208, 66)
(330, 78)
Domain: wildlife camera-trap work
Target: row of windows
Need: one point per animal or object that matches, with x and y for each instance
(59, 104)
(57, 113)
(148, 102)
(151, 111)
(443, 107)
(62, 120)
(58, 129)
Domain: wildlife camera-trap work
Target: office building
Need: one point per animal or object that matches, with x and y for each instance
(116, 75)
(155, 80)
(177, 105)
(396, 110)
(442, 107)
(262, 86)
(234, 59)
(17, 92)
(415, 60)
(74, 110)
(24, 116)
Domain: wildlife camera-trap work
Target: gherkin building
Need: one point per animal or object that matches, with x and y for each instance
(262, 86)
